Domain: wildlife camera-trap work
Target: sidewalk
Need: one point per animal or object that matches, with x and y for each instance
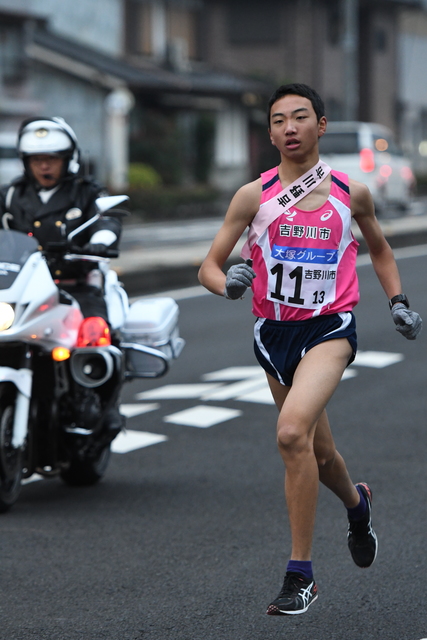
(167, 255)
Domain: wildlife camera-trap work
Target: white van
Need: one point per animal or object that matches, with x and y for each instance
(10, 164)
(369, 154)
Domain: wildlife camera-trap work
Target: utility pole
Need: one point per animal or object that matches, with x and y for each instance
(118, 103)
(351, 51)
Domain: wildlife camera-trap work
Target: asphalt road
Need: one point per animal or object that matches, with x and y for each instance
(187, 539)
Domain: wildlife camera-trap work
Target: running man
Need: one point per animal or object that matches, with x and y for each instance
(300, 259)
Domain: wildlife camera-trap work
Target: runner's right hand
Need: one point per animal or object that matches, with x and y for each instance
(239, 278)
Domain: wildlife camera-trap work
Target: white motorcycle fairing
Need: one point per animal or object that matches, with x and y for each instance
(39, 314)
(22, 379)
(40, 318)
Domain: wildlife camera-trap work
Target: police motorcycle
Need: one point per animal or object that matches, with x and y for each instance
(59, 372)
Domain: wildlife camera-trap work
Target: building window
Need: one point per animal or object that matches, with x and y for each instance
(423, 123)
(254, 22)
(334, 109)
(182, 27)
(334, 23)
(380, 40)
(12, 67)
(154, 27)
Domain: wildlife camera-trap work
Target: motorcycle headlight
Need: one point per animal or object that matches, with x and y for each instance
(7, 316)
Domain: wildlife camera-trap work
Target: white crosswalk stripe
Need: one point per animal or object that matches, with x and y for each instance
(262, 395)
(377, 359)
(132, 410)
(234, 373)
(234, 390)
(130, 440)
(177, 391)
(202, 417)
(349, 373)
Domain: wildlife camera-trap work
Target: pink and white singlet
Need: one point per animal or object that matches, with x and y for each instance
(305, 261)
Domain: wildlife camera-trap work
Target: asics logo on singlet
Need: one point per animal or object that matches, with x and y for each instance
(326, 215)
(291, 215)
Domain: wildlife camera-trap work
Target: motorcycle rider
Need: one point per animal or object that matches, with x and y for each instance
(49, 200)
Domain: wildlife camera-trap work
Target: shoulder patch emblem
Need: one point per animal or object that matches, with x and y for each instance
(73, 214)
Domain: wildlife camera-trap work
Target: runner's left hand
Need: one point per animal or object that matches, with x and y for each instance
(407, 322)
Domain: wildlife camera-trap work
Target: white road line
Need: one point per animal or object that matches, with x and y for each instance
(131, 410)
(377, 359)
(131, 440)
(417, 251)
(234, 373)
(262, 395)
(202, 417)
(233, 390)
(348, 373)
(177, 391)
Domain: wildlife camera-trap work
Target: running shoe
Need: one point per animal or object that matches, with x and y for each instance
(296, 596)
(362, 541)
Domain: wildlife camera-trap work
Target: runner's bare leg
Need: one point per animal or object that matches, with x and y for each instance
(302, 411)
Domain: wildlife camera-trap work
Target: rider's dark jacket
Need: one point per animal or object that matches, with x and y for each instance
(21, 209)
(70, 206)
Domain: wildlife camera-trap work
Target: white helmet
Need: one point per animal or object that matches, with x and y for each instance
(52, 136)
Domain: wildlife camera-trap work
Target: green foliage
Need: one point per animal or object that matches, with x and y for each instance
(143, 176)
(179, 149)
(156, 141)
(204, 142)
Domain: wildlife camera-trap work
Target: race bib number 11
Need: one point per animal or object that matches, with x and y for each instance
(301, 277)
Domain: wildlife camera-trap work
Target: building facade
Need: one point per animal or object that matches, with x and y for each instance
(181, 85)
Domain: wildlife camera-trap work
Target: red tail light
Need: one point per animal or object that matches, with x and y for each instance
(407, 174)
(386, 171)
(367, 160)
(94, 332)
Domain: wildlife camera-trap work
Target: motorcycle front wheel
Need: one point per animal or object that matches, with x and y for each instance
(10, 457)
(88, 471)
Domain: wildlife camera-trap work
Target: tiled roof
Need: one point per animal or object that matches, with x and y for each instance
(88, 62)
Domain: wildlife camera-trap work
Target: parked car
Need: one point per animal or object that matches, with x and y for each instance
(368, 153)
(10, 164)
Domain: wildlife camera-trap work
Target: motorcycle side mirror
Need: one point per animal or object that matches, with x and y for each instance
(109, 202)
(142, 361)
(102, 204)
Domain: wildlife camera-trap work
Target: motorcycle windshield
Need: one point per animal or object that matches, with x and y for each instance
(15, 249)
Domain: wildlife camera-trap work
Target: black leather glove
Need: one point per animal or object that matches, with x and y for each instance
(95, 249)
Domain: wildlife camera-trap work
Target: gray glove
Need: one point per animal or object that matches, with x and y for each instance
(409, 323)
(239, 278)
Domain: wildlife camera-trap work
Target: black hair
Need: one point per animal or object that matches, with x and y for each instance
(302, 90)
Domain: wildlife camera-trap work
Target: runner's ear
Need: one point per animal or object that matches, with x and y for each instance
(322, 126)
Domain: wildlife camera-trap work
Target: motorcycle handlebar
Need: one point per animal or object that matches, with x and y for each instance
(75, 252)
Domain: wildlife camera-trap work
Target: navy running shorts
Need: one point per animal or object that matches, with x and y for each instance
(279, 346)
